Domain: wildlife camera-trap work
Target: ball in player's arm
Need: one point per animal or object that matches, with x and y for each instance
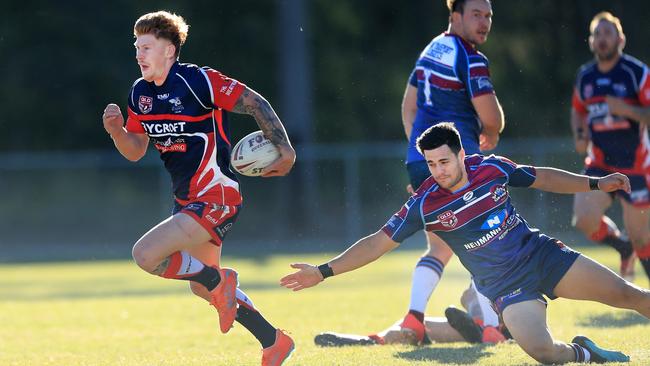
(531, 265)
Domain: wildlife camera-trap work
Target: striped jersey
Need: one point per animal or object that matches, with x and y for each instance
(618, 143)
(448, 74)
(186, 121)
(478, 221)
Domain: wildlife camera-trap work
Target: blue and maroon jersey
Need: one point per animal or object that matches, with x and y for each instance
(448, 74)
(185, 119)
(479, 222)
(618, 143)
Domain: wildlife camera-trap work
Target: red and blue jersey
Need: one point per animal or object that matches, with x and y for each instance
(185, 119)
(448, 74)
(478, 221)
(618, 143)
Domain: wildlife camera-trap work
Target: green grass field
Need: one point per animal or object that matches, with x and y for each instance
(112, 313)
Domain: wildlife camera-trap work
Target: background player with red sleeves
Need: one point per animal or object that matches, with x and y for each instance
(466, 201)
(182, 108)
(450, 82)
(609, 120)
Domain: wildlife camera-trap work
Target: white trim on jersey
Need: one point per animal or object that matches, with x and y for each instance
(193, 93)
(477, 64)
(219, 177)
(133, 89)
(465, 206)
(207, 79)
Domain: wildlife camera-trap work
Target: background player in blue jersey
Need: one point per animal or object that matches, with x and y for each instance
(609, 120)
(182, 108)
(450, 82)
(466, 201)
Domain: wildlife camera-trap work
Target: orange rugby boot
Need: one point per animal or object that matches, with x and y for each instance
(280, 351)
(412, 323)
(224, 298)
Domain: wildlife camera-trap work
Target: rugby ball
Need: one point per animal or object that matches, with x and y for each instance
(253, 153)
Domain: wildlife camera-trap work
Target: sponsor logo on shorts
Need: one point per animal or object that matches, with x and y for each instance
(222, 230)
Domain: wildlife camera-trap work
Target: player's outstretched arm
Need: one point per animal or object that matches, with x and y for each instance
(561, 181)
(358, 255)
(491, 115)
(251, 103)
(131, 145)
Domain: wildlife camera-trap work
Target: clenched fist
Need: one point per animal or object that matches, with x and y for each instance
(113, 119)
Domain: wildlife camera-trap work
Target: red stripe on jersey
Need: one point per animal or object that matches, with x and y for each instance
(197, 186)
(218, 116)
(133, 123)
(479, 71)
(173, 117)
(444, 83)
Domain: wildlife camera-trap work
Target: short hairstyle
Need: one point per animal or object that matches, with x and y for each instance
(608, 17)
(457, 6)
(163, 24)
(437, 135)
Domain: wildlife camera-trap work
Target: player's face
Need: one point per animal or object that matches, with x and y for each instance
(447, 168)
(605, 41)
(476, 21)
(153, 55)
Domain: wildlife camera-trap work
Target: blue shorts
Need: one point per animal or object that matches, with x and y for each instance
(640, 196)
(537, 277)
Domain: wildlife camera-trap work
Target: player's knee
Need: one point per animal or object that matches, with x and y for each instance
(142, 258)
(585, 224)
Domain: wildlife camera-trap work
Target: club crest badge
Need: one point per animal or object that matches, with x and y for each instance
(448, 219)
(145, 104)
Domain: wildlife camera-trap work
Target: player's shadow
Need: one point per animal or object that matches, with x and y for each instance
(613, 320)
(464, 355)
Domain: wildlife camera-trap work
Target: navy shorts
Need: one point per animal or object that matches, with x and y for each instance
(538, 276)
(640, 196)
(216, 219)
(418, 173)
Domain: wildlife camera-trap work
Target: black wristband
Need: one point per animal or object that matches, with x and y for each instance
(326, 270)
(593, 183)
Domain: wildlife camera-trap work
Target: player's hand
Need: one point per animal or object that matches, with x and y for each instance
(113, 119)
(488, 142)
(306, 277)
(282, 165)
(616, 105)
(614, 182)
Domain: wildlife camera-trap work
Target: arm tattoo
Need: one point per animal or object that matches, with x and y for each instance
(255, 105)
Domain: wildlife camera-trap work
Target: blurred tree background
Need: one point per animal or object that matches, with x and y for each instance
(62, 62)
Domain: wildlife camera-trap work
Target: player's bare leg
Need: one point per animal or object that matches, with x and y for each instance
(164, 251)
(589, 280)
(589, 217)
(426, 277)
(637, 224)
(527, 323)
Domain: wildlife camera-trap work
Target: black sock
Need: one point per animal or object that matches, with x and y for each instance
(257, 325)
(418, 315)
(623, 247)
(208, 277)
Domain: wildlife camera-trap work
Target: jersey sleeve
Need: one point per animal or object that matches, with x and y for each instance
(406, 221)
(132, 122)
(644, 88)
(474, 72)
(518, 175)
(224, 91)
(413, 78)
(577, 103)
